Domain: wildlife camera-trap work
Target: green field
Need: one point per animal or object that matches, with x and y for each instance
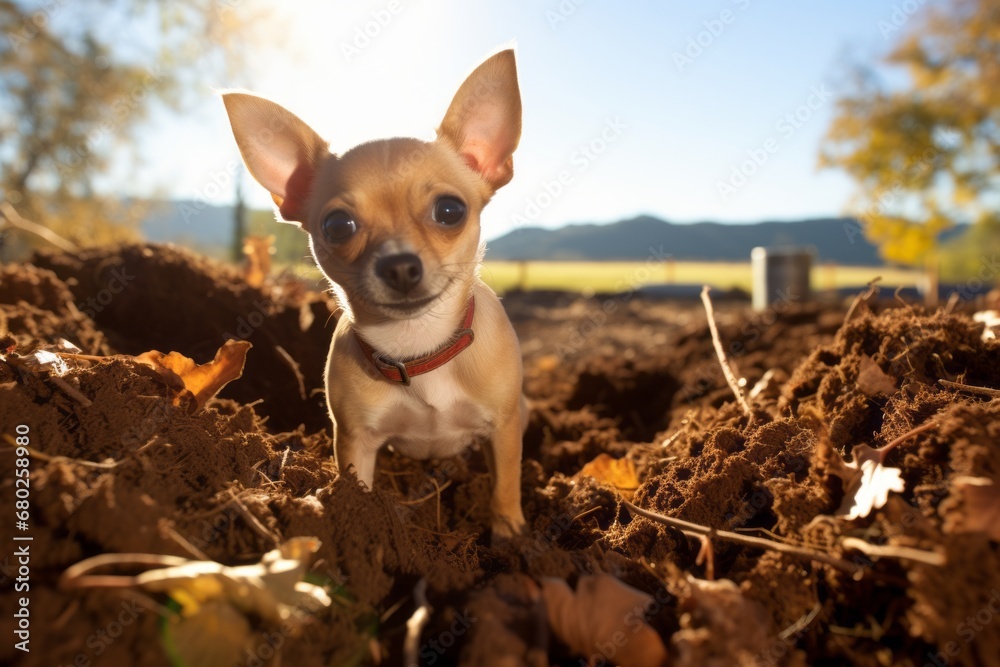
(621, 276)
(589, 277)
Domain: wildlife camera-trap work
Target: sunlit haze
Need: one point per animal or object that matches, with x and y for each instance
(640, 107)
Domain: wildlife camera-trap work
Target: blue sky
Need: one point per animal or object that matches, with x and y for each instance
(662, 132)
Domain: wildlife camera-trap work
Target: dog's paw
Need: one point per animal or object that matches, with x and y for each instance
(506, 529)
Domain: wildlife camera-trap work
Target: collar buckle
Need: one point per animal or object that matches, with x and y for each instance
(385, 365)
(404, 376)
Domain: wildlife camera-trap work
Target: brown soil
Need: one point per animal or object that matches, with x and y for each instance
(133, 473)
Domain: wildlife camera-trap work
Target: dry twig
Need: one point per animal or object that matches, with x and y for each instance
(706, 556)
(717, 342)
(415, 624)
(889, 551)
(49, 458)
(883, 451)
(798, 626)
(294, 367)
(696, 530)
(970, 389)
(436, 492)
(70, 391)
(864, 296)
(14, 219)
(252, 520)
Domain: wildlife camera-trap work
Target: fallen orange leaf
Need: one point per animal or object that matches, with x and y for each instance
(617, 473)
(604, 620)
(258, 250)
(547, 363)
(199, 381)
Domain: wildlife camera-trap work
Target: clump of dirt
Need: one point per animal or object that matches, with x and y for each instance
(116, 467)
(166, 298)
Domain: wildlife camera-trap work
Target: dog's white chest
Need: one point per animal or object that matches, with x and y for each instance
(433, 417)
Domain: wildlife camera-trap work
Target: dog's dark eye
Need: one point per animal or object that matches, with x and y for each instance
(338, 226)
(449, 211)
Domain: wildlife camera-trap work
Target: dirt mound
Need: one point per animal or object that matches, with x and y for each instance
(117, 467)
(165, 298)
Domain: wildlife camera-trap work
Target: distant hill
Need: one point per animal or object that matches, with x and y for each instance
(205, 226)
(210, 229)
(835, 239)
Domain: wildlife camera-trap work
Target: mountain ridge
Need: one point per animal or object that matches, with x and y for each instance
(834, 239)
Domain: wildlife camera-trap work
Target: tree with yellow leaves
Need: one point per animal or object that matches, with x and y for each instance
(926, 155)
(77, 80)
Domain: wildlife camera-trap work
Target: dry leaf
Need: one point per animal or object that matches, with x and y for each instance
(719, 626)
(216, 634)
(203, 381)
(271, 589)
(867, 483)
(258, 250)
(46, 358)
(547, 363)
(604, 620)
(617, 473)
(991, 323)
(973, 507)
(214, 602)
(873, 381)
(47, 361)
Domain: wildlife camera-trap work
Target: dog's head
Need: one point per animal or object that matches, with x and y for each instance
(395, 222)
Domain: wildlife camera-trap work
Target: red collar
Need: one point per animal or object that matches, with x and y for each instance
(398, 371)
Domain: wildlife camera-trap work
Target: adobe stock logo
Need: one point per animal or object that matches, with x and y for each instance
(704, 39)
(120, 278)
(365, 34)
(786, 127)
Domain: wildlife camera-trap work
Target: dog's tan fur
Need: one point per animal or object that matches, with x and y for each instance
(389, 188)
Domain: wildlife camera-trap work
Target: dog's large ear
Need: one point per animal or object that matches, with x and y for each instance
(483, 122)
(280, 150)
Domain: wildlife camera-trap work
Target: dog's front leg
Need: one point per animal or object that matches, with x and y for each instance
(503, 457)
(351, 450)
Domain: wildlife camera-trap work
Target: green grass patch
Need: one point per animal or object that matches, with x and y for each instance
(589, 277)
(621, 276)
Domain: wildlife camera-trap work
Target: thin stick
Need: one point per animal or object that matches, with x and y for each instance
(883, 451)
(284, 460)
(294, 367)
(415, 624)
(902, 553)
(864, 296)
(428, 496)
(84, 357)
(801, 624)
(584, 513)
(696, 530)
(971, 389)
(49, 458)
(701, 532)
(726, 369)
(15, 220)
(761, 385)
(252, 520)
(71, 391)
(438, 487)
(78, 575)
(183, 543)
(706, 555)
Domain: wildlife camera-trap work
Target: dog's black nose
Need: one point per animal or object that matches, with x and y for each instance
(401, 272)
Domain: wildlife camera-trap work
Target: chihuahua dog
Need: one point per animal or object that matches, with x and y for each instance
(423, 358)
